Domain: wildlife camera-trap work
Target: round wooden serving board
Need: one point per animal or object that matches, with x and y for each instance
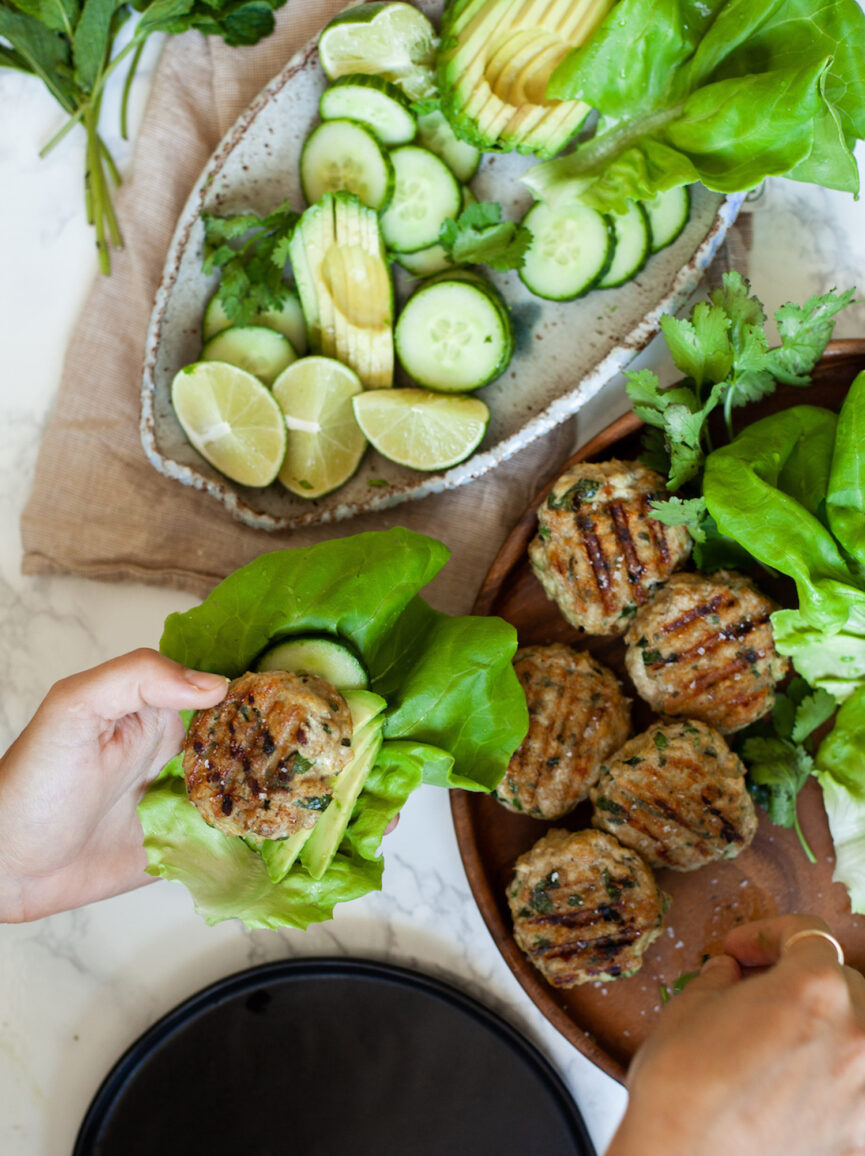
(608, 1022)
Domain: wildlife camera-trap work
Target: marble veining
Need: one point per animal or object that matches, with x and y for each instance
(76, 989)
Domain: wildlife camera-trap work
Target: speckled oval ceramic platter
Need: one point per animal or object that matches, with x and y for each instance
(565, 351)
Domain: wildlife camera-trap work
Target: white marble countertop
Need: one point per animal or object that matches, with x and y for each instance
(76, 989)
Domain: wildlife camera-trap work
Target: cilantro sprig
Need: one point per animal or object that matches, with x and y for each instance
(479, 236)
(779, 755)
(251, 252)
(723, 351)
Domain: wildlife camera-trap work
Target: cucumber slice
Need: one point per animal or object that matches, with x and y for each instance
(280, 855)
(435, 133)
(260, 351)
(452, 336)
(312, 654)
(366, 714)
(668, 214)
(571, 248)
(287, 320)
(632, 246)
(426, 193)
(434, 259)
(373, 101)
(342, 154)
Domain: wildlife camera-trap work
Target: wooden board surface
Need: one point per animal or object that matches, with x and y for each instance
(608, 1022)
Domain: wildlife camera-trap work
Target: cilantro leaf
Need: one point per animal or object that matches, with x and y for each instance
(251, 252)
(778, 771)
(805, 332)
(480, 236)
(688, 512)
(811, 713)
(701, 347)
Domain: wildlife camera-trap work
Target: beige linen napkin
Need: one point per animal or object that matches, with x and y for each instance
(98, 508)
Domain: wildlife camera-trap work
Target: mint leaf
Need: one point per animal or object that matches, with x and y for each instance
(479, 236)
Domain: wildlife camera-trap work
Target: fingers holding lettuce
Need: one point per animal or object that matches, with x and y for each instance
(71, 783)
(318, 690)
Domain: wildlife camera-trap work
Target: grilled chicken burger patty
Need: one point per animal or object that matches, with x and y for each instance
(702, 647)
(677, 795)
(584, 907)
(598, 553)
(577, 716)
(262, 762)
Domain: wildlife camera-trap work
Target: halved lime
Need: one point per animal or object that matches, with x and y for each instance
(392, 40)
(232, 421)
(258, 349)
(419, 428)
(325, 443)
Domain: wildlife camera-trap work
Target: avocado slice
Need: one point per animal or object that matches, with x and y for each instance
(326, 836)
(280, 855)
(496, 59)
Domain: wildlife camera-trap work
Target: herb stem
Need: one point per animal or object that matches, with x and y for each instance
(812, 858)
(127, 88)
(76, 116)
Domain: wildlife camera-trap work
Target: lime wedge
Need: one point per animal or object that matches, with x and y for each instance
(231, 420)
(419, 428)
(395, 41)
(325, 443)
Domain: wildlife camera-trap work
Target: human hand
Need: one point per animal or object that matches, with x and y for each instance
(770, 1063)
(71, 783)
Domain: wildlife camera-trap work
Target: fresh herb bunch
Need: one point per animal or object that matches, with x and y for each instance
(723, 351)
(250, 252)
(479, 236)
(779, 753)
(70, 46)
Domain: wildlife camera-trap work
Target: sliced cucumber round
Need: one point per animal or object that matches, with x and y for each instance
(287, 320)
(571, 248)
(668, 214)
(342, 154)
(325, 657)
(435, 133)
(632, 246)
(260, 351)
(434, 259)
(426, 193)
(453, 336)
(373, 101)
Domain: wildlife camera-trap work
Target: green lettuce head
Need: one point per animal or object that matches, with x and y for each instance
(455, 711)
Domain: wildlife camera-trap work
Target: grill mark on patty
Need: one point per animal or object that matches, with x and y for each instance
(656, 529)
(597, 560)
(713, 606)
(607, 945)
(633, 566)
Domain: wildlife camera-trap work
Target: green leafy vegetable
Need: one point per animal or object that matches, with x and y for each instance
(70, 47)
(779, 770)
(723, 352)
(677, 83)
(841, 774)
(455, 710)
(480, 236)
(251, 252)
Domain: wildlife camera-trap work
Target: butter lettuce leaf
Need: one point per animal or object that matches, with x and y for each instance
(682, 107)
(841, 774)
(455, 711)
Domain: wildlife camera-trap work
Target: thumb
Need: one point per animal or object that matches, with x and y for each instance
(717, 973)
(134, 682)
